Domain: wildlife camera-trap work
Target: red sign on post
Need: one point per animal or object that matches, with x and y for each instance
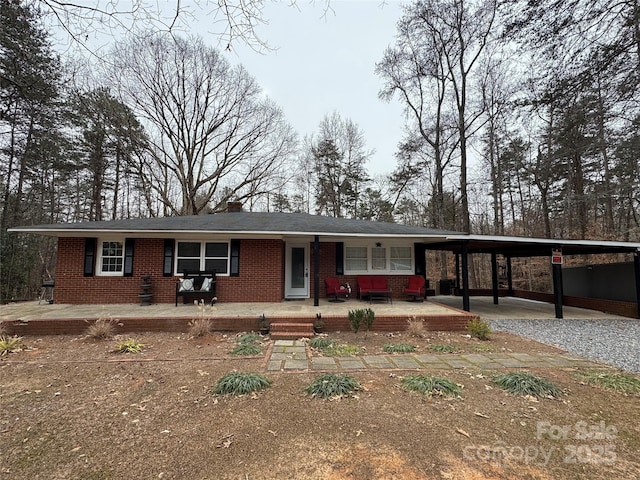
(556, 256)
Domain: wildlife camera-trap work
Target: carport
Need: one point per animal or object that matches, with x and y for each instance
(515, 247)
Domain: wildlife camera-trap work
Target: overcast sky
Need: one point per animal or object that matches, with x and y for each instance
(326, 64)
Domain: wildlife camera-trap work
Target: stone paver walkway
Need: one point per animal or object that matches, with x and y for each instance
(293, 355)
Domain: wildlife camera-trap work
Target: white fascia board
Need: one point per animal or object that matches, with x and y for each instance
(547, 241)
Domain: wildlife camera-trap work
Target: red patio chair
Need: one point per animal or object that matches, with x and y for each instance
(415, 289)
(333, 288)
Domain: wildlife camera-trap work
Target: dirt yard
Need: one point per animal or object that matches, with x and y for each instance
(72, 408)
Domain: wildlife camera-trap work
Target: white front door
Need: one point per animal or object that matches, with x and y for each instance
(297, 271)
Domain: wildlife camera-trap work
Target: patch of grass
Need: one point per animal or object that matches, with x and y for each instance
(621, 382)
(250, 337)
(522, 383)
(428, 385)
(320, 342)
(442, 348)
(102, 328)
(200, 327)
(479, 329)
(10, 344)
(332, 385)
(246, 349)
(238, 383)
(398, 348)
(130, 345)
(416, 328)
(342, 350)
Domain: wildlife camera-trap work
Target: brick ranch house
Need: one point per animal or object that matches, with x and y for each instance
(258, 257)
(268, 257)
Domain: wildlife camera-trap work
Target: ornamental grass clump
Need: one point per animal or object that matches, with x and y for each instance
(247, 344)
(131, 345)
(200, 327)
(332, 385)
(621, 382)
(398, 348)
(442, 348)
(430, 386)
(522, 383)
(102, 328)
(320, 342)
(246, 349)
(250, 337)
(10, 344)
(238, 383)
(416, 328)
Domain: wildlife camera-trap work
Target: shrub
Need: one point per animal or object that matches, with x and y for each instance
(522, 383)
(200, 327)
(246, 349)
(361, 317)
(416, 328)
(237, 383)
(10, 344)
(355, 319)
(102, 328)
(320, 342)
(430, 385)
(442, 348)
(131, 345)
(342, 350)
(398, 348)
(479, 329)
(332, 385)
(618, 381)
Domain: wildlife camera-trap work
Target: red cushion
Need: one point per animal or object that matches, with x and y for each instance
(378, 283)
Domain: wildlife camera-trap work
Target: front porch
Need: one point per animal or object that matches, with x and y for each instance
(31, 318)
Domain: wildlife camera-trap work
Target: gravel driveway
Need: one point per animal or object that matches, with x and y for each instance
(614, 342)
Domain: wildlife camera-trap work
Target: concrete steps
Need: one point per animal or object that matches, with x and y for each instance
(290, 330)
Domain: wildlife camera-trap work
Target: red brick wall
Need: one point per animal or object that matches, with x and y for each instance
(260, 280)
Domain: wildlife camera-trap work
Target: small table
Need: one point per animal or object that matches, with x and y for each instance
(380, 295)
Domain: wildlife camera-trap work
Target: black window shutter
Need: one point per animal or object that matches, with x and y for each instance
(128, 256)
(339, 258)
(421, 262)
(234, 270)
(89, 257)
(169, 247)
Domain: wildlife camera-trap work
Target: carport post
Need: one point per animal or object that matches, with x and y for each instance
(557, 283)
(494, 277)
(465, 277)
(316, 270)
(509, 278)
(636, 268)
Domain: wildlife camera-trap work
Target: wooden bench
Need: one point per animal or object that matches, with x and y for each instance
(197, 286)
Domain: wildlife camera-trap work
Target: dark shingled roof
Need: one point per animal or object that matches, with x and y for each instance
(247, 222)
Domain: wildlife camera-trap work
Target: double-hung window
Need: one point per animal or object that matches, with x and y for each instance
(378, 259)
(111, 257)
(197, 256)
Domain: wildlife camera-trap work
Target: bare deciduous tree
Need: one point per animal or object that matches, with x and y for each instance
(214, 135)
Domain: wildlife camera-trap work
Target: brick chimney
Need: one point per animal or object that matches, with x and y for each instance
(234, 207)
